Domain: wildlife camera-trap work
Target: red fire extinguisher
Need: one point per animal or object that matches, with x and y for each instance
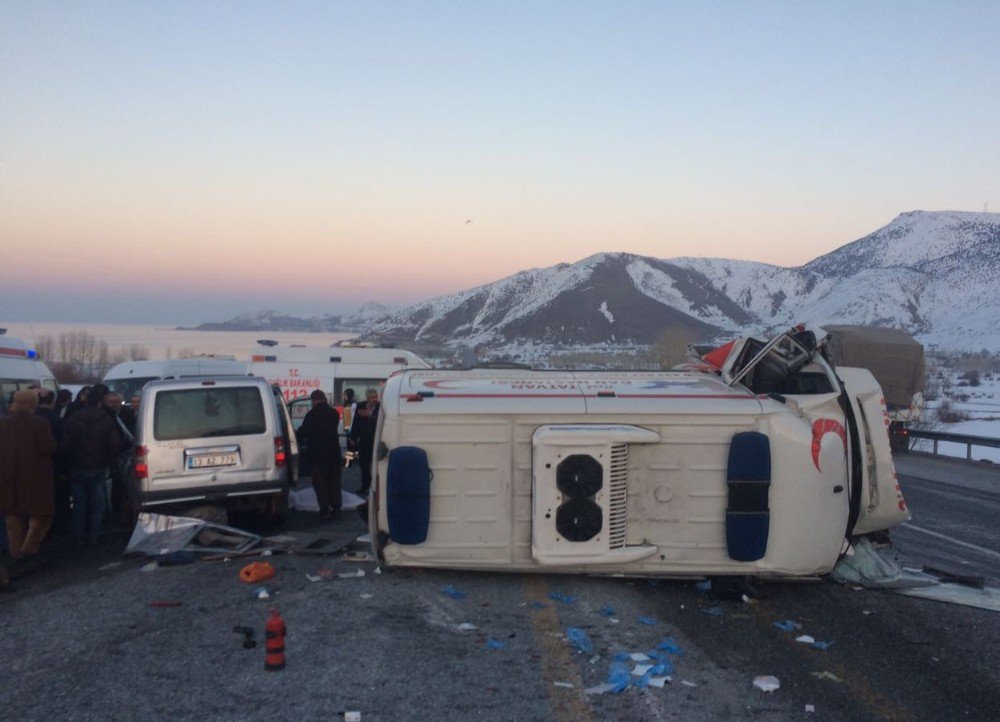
(274, 642)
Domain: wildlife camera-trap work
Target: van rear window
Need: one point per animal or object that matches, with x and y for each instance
(207, 412)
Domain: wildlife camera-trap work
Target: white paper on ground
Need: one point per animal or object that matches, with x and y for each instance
(766, 683)
(805, 639)
(305, 500)
(602, 688)
(658, 681)
(639, 657)
(641, 669)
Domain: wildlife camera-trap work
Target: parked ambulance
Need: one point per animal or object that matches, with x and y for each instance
(20, 367)
(300, 370)
(129, 377)
(761, 460)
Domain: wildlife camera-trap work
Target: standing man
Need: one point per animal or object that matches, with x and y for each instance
(123, 462)
(363, 433)
(91, 441)
(319, 431)
(26, 480)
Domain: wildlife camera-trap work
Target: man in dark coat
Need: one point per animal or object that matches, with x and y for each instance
(319, 432)
(91, 442)
(26, 488)
(363, 435)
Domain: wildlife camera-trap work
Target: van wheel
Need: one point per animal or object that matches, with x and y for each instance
(278, 510)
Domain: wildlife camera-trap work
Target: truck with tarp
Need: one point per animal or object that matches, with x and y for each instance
(896, 360)
(762, 460)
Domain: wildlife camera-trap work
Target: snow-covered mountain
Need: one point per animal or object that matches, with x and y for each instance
(281, 321)
(937, 274)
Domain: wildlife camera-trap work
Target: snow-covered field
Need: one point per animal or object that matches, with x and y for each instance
(978, 405)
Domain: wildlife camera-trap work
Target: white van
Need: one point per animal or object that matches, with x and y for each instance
(300, 370)
(128, 378)
(225, 440)
(748, 466)
(20, 368)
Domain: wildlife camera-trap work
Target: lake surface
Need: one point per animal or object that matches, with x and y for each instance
(166, 342)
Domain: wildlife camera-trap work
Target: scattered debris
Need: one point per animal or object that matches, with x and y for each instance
(453, 593)
(669, 645)
(636, 657)
(658, 682)
(256, 572)
(261, 593)
(564, 685)
(151, 567)
(494, 643)
(162, 604)
(353, 556)
(787, 626)
(704, 586)
(602, 688)
(560, 597)
(328, 575)
(606, 611)
(641, 669)
(712, 611)
(466, 627)
(686, 683)
(766, 683)
(106, 567)
(822, 645)
(352, 715)
(648, 621)
(247, 632)
(159, 534)
(827, 675)
(805, 639)
(579, 639)
(810, 708)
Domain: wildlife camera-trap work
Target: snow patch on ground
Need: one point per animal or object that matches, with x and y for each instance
(607, 314)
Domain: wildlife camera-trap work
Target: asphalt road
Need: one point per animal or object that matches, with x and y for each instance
(80, 640)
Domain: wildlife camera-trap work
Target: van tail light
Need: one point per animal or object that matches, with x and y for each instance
(141, 465)
(279, 451)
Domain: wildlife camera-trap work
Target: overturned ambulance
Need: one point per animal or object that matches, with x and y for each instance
(760, 459)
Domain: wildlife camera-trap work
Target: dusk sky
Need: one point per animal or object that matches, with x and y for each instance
(187, 161)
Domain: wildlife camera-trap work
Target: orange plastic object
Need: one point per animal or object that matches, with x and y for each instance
(255, 572)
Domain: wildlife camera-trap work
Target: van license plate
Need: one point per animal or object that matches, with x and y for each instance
(197, 462)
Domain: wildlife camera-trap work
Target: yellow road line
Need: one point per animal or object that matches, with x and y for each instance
(556, 657)
(856, 683)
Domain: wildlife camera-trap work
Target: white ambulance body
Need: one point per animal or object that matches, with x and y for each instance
(129, 377)
(300, 370)
(20, 368)
(747, 467)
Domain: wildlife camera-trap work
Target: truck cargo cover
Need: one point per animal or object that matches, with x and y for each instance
(894, 357)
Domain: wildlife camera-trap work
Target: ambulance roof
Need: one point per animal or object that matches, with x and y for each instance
(523, 391)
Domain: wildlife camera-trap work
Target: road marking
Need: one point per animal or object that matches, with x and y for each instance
(568, 705)
(945, 537)
(856, 681)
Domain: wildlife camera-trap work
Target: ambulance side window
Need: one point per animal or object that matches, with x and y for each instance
(359, 386)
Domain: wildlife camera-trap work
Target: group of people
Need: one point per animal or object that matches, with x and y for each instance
(322, 456)
(57, 461)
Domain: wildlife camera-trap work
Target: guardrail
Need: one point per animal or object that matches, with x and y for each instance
(966, 439)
